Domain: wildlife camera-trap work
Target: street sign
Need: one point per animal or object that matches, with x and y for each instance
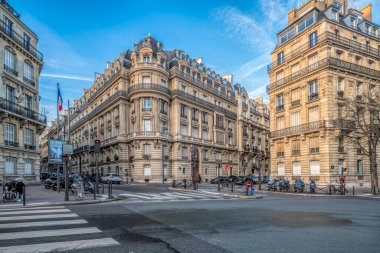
(67, 149)
(226, 168)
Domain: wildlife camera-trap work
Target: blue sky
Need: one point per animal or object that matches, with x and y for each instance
(77, 38)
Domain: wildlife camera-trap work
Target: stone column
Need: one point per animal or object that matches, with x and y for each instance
(123, 117)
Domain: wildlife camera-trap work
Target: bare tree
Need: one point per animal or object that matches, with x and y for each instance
(364, 110)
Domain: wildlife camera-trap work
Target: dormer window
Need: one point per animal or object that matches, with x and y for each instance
(334, 15)
(353, 22)
(338, 6)
(146, 58)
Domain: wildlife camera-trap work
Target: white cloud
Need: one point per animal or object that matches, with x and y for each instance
(65, 76)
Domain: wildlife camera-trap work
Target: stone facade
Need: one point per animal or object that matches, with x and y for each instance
(156, 111)
(326, 54)
(20, 121)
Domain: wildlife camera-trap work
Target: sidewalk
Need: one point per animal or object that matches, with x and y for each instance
(37, 195)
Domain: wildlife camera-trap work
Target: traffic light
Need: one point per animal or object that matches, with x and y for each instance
(97, 146)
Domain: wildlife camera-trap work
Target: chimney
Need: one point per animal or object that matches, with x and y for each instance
(291, 16)
(199, 60)
(228, 77)
(367, 12)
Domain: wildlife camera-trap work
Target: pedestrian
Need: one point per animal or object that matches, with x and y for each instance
(19, 188)
(199, 179)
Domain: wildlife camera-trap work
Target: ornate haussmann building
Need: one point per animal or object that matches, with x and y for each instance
(326, 54)
(156, 111)
(20, 121)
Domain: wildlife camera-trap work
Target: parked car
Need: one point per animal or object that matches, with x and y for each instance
(45, 175)
(232, 178)
(241, 180)
(115, 178)
(217, 179)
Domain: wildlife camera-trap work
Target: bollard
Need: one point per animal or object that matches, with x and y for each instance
(23, 196)
(330, 190)
(94, 190)
(173, 184)
(218, 185)
(247, 190)
(184, 183)
(232, 186)
(353, 190)
(111, 196)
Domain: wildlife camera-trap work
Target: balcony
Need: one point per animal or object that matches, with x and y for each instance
(341, 149)
(32, 147)
(146, 109)
(11, 143)
(21, 111)
(183, 116)
(308, 127)
(194, 120)
(313, 97)
(296, 152)
(296, 103)
(329, 62)
(204, 103)
(314, 150)
(175, 71)
(344, 124)
(148, 87)
(29, 81)
(10, 70)
(20, 40)
(280, 108)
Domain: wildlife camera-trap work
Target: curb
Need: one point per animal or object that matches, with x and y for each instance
(68, 203)
(221, 194)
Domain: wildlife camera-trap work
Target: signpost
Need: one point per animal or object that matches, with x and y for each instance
(97, 151)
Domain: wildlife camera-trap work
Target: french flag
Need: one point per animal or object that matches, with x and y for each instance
(60, 101)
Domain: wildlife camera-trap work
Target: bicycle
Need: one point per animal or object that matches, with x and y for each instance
(77, 190)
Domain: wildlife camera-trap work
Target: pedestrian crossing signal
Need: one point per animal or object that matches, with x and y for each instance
(97, 146)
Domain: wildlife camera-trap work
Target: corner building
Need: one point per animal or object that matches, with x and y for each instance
(326, 54)
(156, 111)
(20, 121)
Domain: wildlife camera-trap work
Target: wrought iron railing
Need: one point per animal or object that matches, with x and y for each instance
(299, 129)
(10, 70)
(20, 40)
(22, 111)
(11, 143)
(29, 81)
(147, 87)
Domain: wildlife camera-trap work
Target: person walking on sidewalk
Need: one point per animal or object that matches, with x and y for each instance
(19, 188)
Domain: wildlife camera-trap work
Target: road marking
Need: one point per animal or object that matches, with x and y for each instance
(17, 208)
(34, 211)
(198, 194)
(179, 195)
(31, 204)
(135, 195)
(61, 246)
(43, 223)
(37, 217)
(45, 233)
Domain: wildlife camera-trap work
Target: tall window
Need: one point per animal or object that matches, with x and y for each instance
(184, 153)
(314, 114)
(359, 88)
(146, 58)
(218, 156)
(28, 102)
(147, 170)
(194, 132)
(10, 134)
(204, 134)
(296, 168)
(10, 165)
(26, 41)
(204, 117)
(313, 90)
(295, 96)
(280, 58)
(147, 125)
(146, 149)
(9, 59)
(220, 137)
(314, 145)
(28, 72)
(194, 114)
(312, 60)
(28, 138)
(280, 149)
(183, 129)
(281, 169)
(219, 121)
(296, 147)
(10, 94)
(314, 168)
(295, 118)
(295, 68)
(280, 123)
(28, 167)
(8, 25)
(340, 84)
(359, 167)
(146, 79)
(280, 76)
(280, 100)
(313, 39)
(147, 104)
(183, 111)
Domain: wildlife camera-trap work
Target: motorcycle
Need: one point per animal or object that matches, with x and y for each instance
(284, 185)
(272, 185)
(61, 185)
(299, 186)
(49, 182)
(313, 186)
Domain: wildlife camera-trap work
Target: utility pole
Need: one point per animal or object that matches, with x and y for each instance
(58, 166)
(67, 160)
(97, 151)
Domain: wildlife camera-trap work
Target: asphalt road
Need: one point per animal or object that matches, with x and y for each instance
(273, 224)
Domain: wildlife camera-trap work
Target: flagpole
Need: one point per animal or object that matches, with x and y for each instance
(58, 165)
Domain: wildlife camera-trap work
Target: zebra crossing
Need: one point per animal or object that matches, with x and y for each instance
(171, 196)
(47, 229)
